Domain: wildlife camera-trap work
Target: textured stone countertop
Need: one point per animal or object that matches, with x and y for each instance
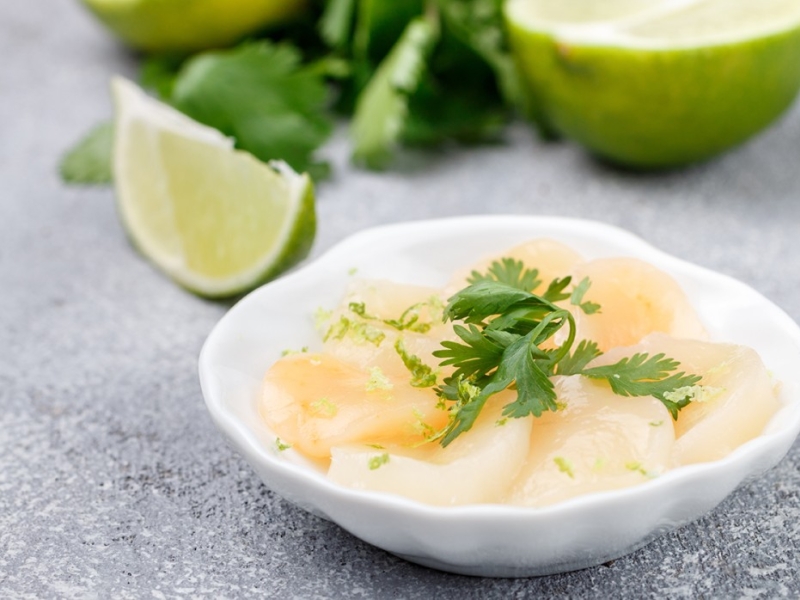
(114, 483)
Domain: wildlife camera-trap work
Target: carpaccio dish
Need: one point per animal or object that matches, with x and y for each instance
(532, 377)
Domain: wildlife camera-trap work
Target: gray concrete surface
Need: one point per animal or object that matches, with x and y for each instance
(113, 481)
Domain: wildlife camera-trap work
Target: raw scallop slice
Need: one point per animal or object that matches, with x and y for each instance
(635, 299)
(371, 342)
(477, 467)
(736, 399)
(315, 401)
(552, 259)
(598, 441)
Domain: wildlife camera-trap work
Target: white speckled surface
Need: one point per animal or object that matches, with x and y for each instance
(114, 482)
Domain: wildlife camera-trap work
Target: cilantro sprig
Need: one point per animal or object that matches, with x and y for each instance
(644, 375)
(408, 72)
(503, 346)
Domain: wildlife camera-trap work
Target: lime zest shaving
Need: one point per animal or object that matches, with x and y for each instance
(565, 466)
(376, 462)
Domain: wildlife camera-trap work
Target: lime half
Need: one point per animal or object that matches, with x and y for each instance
(657, 83)
(185, 25)
(215, 219)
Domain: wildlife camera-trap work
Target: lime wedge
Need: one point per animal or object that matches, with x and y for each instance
(215, 219)
(657, 83)
(186, 25)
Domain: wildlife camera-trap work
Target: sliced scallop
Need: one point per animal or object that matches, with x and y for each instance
(735, 398)
(552, 259)
(635, 299)
(316, 401)
(478, 467)
(597, 441)
(368, 341)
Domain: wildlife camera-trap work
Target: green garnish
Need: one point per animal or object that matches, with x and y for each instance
(576, 298)
(408, 321)
(360, 309)
(644, 375)
(382, 107)
(324, 408)
(280, 445)
(695, 393)
(422, 375)
(408, 72)
(358, 331)
(435, 308)
(378, 380)
(510, 272)
(376, 462)
(426, 430)
(289, 351)
(565, 466)
(637, 467)
(262, 96)
(321, 317)
(337, 330)
(89, 161)
(362, 331)
(502, 339)
(574, 362)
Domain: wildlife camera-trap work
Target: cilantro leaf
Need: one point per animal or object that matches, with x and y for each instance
(89, 161)
(555, 291)
(331, 67)
(158, 73)
(381, 109)
(475, 358)
(379, 25)
(260, 95)
(510, 272)
(336, 22)
(469, 404)
(644, 375)
(457, 98)
(535, 391)
(479, 25)
(576, 299)
(483, 299)
(441, 110)
(575, 362)
(517, 365)
(377, 28)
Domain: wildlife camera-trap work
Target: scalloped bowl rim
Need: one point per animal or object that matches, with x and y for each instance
(318, 494)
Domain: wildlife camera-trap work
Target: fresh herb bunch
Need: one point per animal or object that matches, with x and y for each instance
(505, 334)
(407, 71)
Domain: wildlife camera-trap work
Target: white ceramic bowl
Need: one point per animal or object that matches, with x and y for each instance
(488, 540)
